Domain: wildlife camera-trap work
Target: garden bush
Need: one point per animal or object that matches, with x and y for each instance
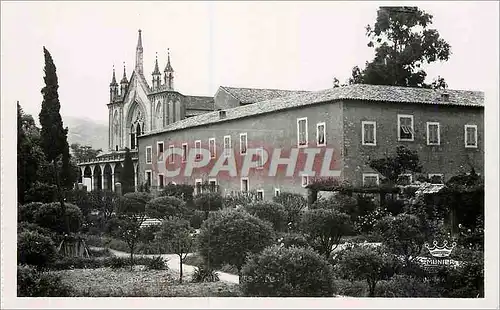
(208, 202)
(204, 274)
(35, 249)
(272, 212)
(26, 212)
(22, 226)
(41, 192)
(33, 283)
(405, 286)
(287, 272)
(181, 191)
(293, 239)
(50, 215)
(156, 263)
(196, 219)
(165, 207)
(351, 288)
(294, 205)
(229, 235)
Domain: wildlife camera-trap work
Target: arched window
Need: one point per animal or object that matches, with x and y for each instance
(132, 137)
(138, 132)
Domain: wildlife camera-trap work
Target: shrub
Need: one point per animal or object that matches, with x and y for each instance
(228, 235)
(166, 207)
(208, 202)
(41, 192)
(76, 263)
(32, 283)
(403, 234)
(35, 249)
(405, 286)
(51, 216)
(22, 226)
(287, 272)
(464, 281)
(293, 239)
(197, 219)
(26, 213)
(364, 263)
(395, 206)
(81, 199)
(148, 233)
(118, 262)
(156, 263)
(204, 274)
(351, 288)
(272, 212)
(324, 228)
(181, 191)
(294, 205)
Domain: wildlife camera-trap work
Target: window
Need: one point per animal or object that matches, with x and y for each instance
(369, 133)
(148, 154)
(302, 132)
(184, 152)
(436, 178)
(211, 147)
(171, 156)
(260, 158)
(148, 178)
(160, 180)
(260, 194)
(305, 180)
(277, 192)
(212, 183)
(321, 134)
(197, 148)
(405, 179)
(243, 143)
(370, 179)
(227, 146)
(470, 135)
(159, 151)
(244, 185)
(405, 127)
(433, 133)
(197, 186)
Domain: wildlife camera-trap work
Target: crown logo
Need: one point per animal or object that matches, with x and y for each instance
(440, 251)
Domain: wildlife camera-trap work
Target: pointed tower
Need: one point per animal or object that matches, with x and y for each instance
(156, 75)
(113, 88)
(123, 82)
(139, 55)
(169, 74)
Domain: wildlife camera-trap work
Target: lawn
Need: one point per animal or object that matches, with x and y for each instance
(107, 282)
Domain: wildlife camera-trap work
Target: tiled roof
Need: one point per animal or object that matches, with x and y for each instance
(372, 93)
(199, 103)
(252, 95)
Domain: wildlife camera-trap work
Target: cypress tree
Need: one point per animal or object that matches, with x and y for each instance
(127, 177)
(53, 134)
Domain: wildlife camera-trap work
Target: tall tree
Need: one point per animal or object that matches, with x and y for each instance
(53, 135)
(84, 152)
(403, 43)
(127, 177)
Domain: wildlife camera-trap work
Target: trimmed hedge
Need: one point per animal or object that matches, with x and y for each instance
(35, 249)
(287, 272)
(32, 283)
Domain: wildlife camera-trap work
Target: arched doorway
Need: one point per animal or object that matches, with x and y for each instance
(108, 181)
(97, 182)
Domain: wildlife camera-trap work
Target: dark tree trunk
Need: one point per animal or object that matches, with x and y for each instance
(180, 268)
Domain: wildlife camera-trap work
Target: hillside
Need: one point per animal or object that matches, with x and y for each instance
(87, 132)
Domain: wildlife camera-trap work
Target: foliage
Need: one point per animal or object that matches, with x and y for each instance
(237, 200)
(26, 212)
(351, 288)
(181, 191)
(207, 202)
(57, 219)
(294, 205)
(365, 224)
(392, 166)
(127, 174)
(465, 281)
(403, 42)
(324, 228)
(80, 198)
(272, 212)
(35, 249)
(178, 235)
(196, 219)
(365, 263)
(156, 263)
(84, 152)
(165, 207)
(403, 235)
(293, 240)
(229, 235)
(42, 192)
(405, 286)
(394, 206)
(53, 136)
(287, 272)
(29, 153)
(33, 283)
(204, 274)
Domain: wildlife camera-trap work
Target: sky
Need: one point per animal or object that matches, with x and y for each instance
(289, 45)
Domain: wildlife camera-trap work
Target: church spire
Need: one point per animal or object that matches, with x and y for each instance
(123, 82)
(113, 80)
(156, 70)
(169, 73)
(168, 68)
(156, 75)
(124, 78)
(113, 87)
(139, 55)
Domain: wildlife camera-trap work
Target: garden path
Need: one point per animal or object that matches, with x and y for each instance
(174, 264)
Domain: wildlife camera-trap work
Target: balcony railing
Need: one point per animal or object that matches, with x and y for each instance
(109, 157)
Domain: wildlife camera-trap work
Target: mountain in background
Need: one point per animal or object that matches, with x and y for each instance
(86, 131)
